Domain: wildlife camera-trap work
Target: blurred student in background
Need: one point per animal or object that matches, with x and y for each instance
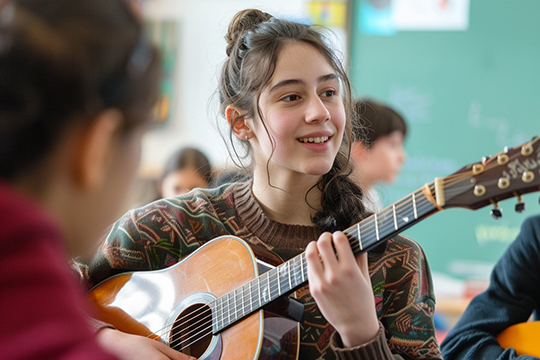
(377, 151)
(186, 169)
(78, 81)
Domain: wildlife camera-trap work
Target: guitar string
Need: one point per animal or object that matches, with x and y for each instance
(183, 343)
(459, 177)
(272, 284)
(276, 280)
(272, 287)
(243, 311)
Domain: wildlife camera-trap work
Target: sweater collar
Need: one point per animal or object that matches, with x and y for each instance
(271, 232)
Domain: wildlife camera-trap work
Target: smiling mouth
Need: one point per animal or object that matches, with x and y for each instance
(315, 140)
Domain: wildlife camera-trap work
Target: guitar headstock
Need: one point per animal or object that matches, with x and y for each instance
(510, 173)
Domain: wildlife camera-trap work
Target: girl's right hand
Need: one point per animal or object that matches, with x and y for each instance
(134, 347)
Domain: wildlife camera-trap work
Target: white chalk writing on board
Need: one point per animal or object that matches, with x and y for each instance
(417, 170)
(414, 105)
(505, 133)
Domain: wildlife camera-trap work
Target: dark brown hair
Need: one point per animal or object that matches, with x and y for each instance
(255, 39)
(188, 157)
(63, 62)
(374, 120)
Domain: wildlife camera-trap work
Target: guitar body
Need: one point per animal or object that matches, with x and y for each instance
(147, 303)
(522, 337)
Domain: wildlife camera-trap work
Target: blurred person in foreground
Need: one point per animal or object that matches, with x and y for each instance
(77, 83)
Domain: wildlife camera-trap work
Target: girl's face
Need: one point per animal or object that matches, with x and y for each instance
(303, 112)
(182, 181)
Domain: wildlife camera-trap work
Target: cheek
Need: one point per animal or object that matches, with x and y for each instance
(168, 187)
(341, 120)
(279, 127)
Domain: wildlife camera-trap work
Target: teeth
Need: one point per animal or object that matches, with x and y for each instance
(316, 140)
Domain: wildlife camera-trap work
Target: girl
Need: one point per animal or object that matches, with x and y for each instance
(186, 169)
(377, 150)
(287, 100)
(78, 81)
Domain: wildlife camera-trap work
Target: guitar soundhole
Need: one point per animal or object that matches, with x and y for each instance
(192, 330)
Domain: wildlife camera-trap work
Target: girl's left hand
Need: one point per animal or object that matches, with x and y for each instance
(341, 286)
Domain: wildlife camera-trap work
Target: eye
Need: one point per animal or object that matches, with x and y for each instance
(329, 93)
(290, 98)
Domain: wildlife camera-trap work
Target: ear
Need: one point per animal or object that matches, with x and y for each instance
(96, 149)
(239, 124)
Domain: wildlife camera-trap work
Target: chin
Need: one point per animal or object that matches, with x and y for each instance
(317, 171)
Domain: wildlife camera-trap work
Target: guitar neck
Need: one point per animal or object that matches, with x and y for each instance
(292, 274)
(392, 220)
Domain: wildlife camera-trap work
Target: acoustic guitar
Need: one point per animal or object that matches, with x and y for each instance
(211, 304)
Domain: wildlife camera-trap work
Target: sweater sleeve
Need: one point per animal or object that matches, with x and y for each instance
(376, 349)
(511, 297)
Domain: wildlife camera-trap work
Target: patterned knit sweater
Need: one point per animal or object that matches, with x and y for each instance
(158, 235)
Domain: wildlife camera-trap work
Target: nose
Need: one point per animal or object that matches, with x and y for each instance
(317, 110)
(402, 156)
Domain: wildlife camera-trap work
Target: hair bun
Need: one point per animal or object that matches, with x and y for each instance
(241, 23)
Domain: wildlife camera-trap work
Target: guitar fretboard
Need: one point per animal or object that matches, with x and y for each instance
(292, 274)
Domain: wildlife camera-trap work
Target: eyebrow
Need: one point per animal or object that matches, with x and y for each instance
(287, 82)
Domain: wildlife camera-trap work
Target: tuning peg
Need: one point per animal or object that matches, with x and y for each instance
(496, 212)
(486, 158)
(520, 206)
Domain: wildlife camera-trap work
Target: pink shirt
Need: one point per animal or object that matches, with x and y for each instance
(41, 306)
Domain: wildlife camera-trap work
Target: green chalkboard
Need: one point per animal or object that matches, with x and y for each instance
(465, 94)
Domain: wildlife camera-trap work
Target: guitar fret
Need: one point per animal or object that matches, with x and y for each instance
(242, 296)
(278, 282)
(414, 206)
(359, 236)
(299, 274)
(268, 288)
(302, 266)
(235, 304)
(222, 313)
(294, 281)
(395, 218)
(259, 288)
(289, 273)
(229, 307)
(250, 297)
(376, 227)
